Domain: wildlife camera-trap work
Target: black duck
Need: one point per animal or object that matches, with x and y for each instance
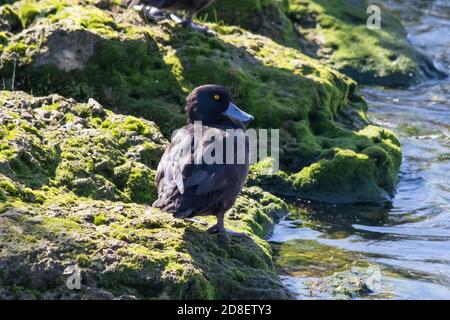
(188, 187)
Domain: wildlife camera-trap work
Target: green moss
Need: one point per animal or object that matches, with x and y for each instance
(29, 10)
(86, 157)
(137, 181)
(8, 188)
(9, 20)
(148, 70)
(20, 49)
(60, 225)
(347, 177)
(258, 210)
(100, 219)
(83, 260)
(264, 17)
(370, 56)
(262, 174)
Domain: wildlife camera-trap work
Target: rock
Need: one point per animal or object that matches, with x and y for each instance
(145, 70)
(77, 176)
(72, 200)
(67, 50)
(338, 34)
(64, 141)
(129, 259)
(100, 295)
(97, 108)
(349, 284)
(265, 17)
(334, 31)
(84, 185)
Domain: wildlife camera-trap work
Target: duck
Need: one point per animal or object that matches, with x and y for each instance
(154, 10)
(188, 185)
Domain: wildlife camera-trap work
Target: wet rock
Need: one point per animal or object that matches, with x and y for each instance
(100, 295)
(350, 284)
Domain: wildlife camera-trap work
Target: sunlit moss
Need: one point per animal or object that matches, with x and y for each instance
(373, 56)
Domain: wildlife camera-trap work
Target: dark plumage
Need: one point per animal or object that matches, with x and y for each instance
(191, 6)
(187, 188)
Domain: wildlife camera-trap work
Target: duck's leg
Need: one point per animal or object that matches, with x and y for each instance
(188, 23)
(220, 228)
(150, 13)
(193, 220)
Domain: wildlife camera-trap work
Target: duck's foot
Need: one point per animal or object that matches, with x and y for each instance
(149, 13)
(189, 24)
(193, 220)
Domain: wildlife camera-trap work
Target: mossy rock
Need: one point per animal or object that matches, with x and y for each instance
(75, 183)
(340, 175)
(338, 35)
(53, 145)
(265, 17)
(147, 70)
(130, 251)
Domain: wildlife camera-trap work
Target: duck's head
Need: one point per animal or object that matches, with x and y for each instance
(213, 104)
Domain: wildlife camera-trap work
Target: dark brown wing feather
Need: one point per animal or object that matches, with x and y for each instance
(186, 189)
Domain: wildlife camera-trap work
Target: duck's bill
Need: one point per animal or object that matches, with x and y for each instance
(235, 113)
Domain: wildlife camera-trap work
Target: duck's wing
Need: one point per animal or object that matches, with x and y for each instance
(182, 165)
(174, 162)
(185, 186)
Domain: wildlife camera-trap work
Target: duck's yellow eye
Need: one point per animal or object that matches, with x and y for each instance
(216, 97)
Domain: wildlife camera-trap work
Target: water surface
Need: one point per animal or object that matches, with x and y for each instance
(407, 241)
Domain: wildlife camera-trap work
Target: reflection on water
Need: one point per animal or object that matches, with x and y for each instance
(408, 239)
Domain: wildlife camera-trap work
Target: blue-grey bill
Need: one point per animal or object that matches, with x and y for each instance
(237, 114)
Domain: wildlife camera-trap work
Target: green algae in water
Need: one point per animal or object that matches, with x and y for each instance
(309, 258)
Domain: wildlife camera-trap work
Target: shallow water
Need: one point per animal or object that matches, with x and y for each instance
(407, 241)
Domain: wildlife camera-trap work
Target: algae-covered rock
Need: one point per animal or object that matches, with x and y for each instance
(339, 35)
(83, 52)
(77, 165)
(359, 166)
(129, 251)
(327, 271)
(335, 32)
(55, 143)
(265, 17)
(75, 182)
(353, 283)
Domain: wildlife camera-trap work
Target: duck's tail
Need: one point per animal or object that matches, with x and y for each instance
(173, 209)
